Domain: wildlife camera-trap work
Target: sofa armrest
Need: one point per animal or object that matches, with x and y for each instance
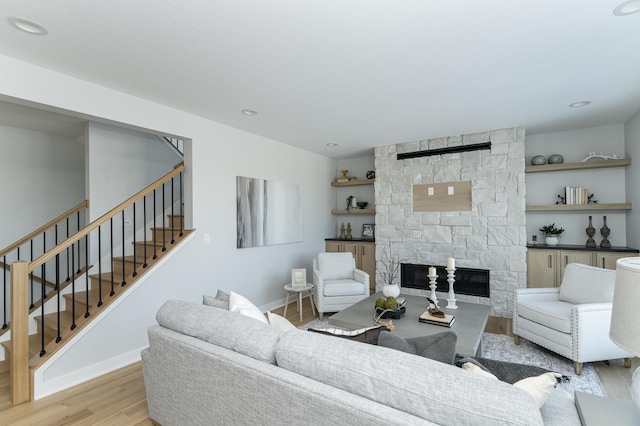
(590, 323)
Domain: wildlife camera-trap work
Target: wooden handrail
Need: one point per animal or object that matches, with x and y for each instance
(43, 228)
(104, 218)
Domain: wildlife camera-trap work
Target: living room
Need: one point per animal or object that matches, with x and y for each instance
(216, 153)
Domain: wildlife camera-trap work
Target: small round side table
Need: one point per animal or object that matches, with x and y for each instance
(299, 289)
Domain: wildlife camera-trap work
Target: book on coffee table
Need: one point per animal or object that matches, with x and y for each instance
(427, 318)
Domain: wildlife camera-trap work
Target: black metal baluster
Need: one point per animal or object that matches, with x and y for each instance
(172, 220)
(112, 264)
(86, 275)
(31, 305)
(68, 259)
(78, 230)
(58, 337)
(135, 250)
(4, 289)
(99, 266)
(73, 287)
(181, 208)
(155, 243)
(164, 209)
(124, 282)
(144, 225)
(43, 275)
(44, 250)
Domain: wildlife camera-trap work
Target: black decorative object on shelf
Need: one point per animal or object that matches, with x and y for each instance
(605, 231)
(562, 200)
(371, 174)
(591, 231)
(590, 200)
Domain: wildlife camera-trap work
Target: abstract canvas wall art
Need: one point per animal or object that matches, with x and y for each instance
(268, 212)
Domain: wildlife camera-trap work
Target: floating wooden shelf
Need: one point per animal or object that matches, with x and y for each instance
(578, 207)
(354, 182)
(622, 162)
(354, 211)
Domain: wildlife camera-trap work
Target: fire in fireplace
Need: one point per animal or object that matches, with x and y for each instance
(469, 281)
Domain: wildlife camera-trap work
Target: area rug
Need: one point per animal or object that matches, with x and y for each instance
(501, 347)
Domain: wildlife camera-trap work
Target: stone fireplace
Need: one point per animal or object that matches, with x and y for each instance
(490, 235)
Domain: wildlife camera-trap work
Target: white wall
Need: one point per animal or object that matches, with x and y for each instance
(607, 185)
(42, 175)
(632, 147)
(215, 155)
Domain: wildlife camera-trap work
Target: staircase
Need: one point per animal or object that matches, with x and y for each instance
(71, 306)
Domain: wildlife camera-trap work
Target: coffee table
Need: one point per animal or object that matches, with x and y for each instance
(471, 319)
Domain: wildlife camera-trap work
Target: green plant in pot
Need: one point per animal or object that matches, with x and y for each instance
(551, 234)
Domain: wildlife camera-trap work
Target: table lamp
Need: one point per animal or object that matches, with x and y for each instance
(625, 320)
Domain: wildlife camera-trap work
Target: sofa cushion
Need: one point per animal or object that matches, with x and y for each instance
(220, 300)
(440, 393)
(342, 288)
(223, 328)
(587, 284)
(280, 322)
(440, 347)
(555, 315)
(244, 306)
(334, 266)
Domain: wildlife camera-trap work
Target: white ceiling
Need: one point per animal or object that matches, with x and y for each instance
(357, 73)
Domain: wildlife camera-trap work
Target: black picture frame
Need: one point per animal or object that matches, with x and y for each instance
(368, 231)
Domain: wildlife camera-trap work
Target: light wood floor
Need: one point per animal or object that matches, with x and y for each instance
(119, 398)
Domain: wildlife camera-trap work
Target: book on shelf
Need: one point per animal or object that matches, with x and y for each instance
(576, 195)
(427, 318)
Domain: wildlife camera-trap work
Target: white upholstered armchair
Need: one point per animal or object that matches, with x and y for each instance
(572, 320)
(338, 283)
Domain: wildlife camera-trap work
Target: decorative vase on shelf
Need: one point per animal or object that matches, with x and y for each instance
(551, 240)
(391, 290)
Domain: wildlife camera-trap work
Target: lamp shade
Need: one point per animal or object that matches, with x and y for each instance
(625, 321)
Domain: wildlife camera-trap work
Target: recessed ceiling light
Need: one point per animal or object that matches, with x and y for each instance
(579, 104)
(27, 26)
(331, 144)
(627, 8)
(249, 112)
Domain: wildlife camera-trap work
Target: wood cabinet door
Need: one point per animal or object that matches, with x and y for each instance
(608, 260)
(354, 248)
(333, 246)
(542, 268)
(573, 256)
(368, 263)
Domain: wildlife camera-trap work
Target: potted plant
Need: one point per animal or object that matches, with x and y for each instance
(551, 234)
(388, 270)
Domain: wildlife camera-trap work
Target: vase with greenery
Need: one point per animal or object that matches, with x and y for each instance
(551, 234)
(388, 270)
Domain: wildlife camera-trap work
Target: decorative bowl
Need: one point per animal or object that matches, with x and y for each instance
(555, 159)
(362, 204)
(397, 314)
(538, 160)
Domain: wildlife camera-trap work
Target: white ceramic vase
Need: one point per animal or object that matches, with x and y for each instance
(391, 290)
(551, 240)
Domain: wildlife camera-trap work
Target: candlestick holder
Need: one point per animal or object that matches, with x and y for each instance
(433, 286)
(451, 296)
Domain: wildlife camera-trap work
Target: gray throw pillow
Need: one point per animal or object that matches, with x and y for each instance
(221, 300)
(368, 335)
(439, 347)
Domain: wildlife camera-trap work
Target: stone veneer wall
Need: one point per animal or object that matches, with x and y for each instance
(490, 236)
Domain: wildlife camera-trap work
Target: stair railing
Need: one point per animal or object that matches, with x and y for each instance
(111, 279)
(36, 243)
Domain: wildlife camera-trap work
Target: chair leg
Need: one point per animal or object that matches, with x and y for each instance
(627, 362)
(577, 366)
(516, 339)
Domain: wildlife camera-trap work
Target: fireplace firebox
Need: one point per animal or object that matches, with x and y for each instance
(469, 281)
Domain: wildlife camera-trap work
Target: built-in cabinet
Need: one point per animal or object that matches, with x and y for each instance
(545, 266)
(364, 253)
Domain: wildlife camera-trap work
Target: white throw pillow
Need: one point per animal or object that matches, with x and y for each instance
(243, 306)
(539, 387)
(471, 367)
(280, 322)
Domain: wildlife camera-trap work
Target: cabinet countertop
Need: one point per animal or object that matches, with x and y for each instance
(581, 248)
(363, 240)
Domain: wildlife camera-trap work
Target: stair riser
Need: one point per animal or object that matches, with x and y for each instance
(174, 222)
(168, 235)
